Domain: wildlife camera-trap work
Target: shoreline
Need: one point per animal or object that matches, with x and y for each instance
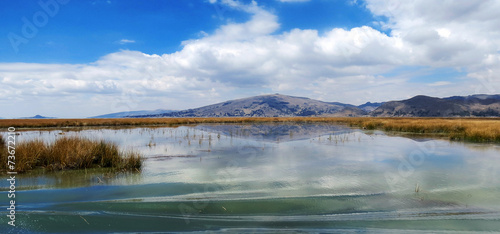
(457, 129)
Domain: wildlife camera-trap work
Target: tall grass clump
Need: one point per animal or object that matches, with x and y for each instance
(106, 155)
(132, 160)
(30, 154)
(73, 153)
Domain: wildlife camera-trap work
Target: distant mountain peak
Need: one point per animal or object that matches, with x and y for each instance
(370, 106)
(38, 117)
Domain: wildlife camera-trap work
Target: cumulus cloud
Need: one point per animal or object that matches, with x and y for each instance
(448, 34)
(251, 58)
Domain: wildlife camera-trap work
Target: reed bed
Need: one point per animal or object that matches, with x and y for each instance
(469, 129)
(57, 123)
(71, 153)
(460, 129)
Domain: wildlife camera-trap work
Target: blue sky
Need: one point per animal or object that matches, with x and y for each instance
(83, 31)
(93, 57)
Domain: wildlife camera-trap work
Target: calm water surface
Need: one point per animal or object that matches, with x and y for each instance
(267, 178)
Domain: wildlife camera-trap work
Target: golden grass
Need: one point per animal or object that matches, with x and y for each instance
(44, 123)
(470, 129)
(71, 153)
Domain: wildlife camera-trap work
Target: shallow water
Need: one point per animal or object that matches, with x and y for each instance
(268, 178)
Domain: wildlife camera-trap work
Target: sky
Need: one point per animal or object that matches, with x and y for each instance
(73, 59)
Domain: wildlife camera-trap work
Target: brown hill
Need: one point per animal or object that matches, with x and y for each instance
(272, 105)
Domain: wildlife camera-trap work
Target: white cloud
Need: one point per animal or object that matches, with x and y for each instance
(250, 58)
(126, 41)
(440, 83)
(449, 34)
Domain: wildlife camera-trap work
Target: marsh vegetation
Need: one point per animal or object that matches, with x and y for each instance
(463, 129)
(70, 153)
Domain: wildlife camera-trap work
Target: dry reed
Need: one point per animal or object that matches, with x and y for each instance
(470, 129)
(70, 153)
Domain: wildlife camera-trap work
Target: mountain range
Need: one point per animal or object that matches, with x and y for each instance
(278, 105)
(273, 105)
(457, 106)
(133, 113)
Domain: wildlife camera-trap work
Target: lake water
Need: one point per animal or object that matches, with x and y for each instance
(267, 178)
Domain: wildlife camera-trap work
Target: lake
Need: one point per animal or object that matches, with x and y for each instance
(266, 178)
